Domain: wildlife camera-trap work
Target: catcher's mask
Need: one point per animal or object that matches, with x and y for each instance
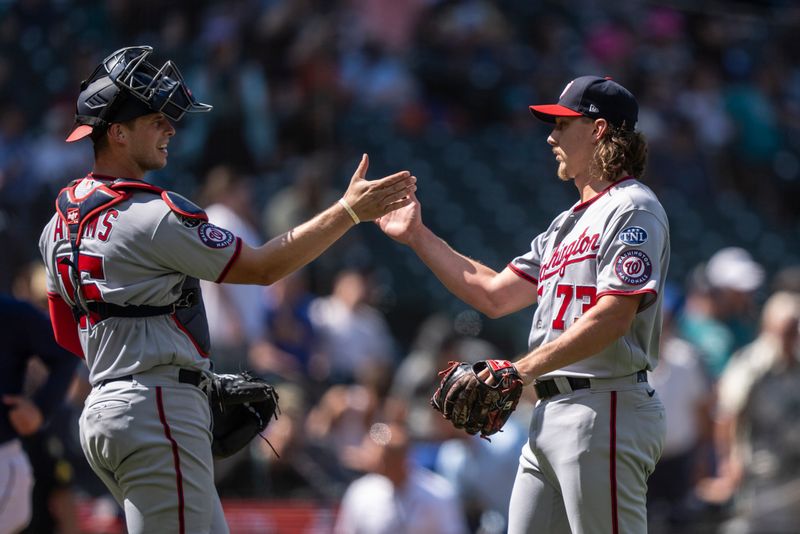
(125, 86)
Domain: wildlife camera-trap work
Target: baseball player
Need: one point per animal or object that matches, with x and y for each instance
(24, 333)
(123, 259)
(597, 274)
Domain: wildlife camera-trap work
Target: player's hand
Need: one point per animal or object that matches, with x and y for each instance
(489, 380)
(401, 224)
(23, 414)
(375, 198)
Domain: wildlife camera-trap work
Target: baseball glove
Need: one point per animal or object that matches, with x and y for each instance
(241, 407)
(470, 403)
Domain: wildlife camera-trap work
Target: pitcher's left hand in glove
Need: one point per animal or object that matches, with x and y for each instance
(469, 402)
(241, 407)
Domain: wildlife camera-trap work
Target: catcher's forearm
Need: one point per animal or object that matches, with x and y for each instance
(292, 250)
(466, 278)
(598, 328)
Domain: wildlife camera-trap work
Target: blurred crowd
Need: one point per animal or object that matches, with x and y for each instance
(300, 89)
(356, 433)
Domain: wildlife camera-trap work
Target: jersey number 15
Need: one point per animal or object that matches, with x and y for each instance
(89, 264)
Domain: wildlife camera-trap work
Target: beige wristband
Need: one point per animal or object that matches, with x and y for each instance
(349, 210)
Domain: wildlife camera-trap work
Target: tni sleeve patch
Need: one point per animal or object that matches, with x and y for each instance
(633, 236)
(633, 267)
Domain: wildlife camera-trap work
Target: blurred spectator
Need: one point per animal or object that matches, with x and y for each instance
(398, 497)
(345, 412)
(53, 499)
(734, 277)
(750, 101)
(25, 332)
(485, 493)
(683, 162)
(296, 43)
(15, 152)
(286, 464)
(720, 306)
(389, 22)
(289, 341)
(233, 310)
(714, 127)
(757, 439)
(307, 193)
(787, 279)
(685, 389)
(378, 79)
(310, 189)
(57, 162)
(239, 90)
(462, 58)
(354, 337)
(30, 285)
(415, 380)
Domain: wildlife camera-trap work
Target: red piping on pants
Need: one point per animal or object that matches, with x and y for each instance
(613, 463)
(176, 459)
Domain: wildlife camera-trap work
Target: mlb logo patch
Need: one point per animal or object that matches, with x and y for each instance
(73, 215)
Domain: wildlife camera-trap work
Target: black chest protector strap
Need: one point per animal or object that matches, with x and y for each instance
(78, 208)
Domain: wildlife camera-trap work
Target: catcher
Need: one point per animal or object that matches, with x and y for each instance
(123, 260)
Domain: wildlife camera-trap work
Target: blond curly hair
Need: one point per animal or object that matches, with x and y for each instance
(620, 150)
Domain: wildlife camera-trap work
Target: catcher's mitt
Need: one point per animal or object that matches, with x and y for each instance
(241, 407)
(472, 404)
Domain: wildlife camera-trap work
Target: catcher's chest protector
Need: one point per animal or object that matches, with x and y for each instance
(79, 208)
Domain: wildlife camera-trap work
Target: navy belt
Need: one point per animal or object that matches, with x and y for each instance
(549, 387)
(185, 376)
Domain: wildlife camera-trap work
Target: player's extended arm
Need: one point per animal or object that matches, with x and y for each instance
(288, 252)
(603, 324)
(492, 293)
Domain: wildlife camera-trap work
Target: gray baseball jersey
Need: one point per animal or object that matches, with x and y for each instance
(591, 449)
(138, 252)
(145, 431)
(614, 244)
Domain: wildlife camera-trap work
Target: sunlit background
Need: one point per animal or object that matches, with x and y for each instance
(302, 88)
